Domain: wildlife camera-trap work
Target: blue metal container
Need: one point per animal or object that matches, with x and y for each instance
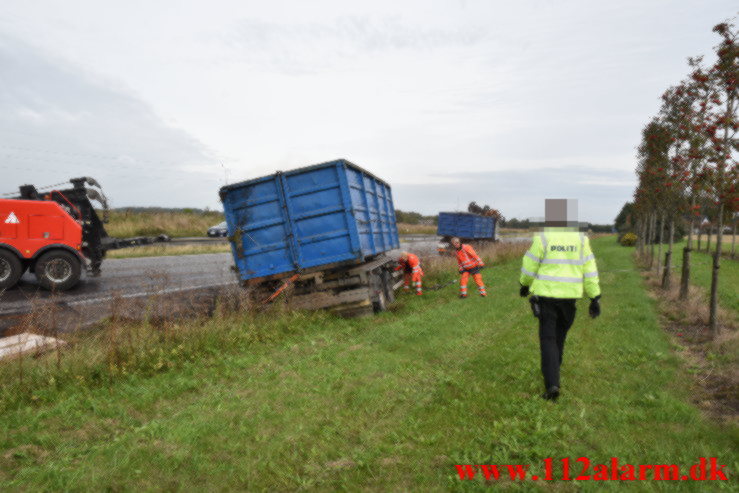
(466, 225)
(322, 215)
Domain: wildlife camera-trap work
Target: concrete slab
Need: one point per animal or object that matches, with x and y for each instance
(17, 345)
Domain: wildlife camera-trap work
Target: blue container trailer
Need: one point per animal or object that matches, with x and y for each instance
(321, 222)
(466, 226)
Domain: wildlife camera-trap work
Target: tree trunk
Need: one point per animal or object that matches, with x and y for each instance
(713, 317)
(647, 241)
(643, 238)
(685, 276)
(733, 238)
(653, 240)
(667, 276)
(700, 234)
(659, 247)
(708, 239)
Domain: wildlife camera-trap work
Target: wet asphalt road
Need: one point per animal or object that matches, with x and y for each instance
(127, 278)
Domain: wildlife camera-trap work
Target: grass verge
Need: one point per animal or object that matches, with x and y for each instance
(125, 224)
(284, 401)
(700, 274)
(416, 229)
(163, 250)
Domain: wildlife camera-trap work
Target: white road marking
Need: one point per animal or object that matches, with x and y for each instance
(147, 293)
(103, 299)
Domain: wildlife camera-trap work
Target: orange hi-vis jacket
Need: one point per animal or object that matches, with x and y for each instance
(412, 265)
(468, 258)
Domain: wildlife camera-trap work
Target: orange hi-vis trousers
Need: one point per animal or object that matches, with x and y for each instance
(478, 280)
(415, 278)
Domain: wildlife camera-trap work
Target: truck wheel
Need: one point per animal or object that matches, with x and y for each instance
(58, 270)
(11, 269)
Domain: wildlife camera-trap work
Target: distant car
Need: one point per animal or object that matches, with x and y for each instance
(219, 229)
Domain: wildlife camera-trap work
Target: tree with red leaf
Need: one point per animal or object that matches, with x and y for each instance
(675, 117)
(698, 95)
(650, 196)
(722, 126)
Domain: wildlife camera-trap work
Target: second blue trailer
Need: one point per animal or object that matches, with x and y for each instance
(466, 226)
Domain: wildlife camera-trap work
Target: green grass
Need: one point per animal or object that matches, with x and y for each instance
(416, 229)
(163, 250)
(125, 224)
(309, 401)
(700, 274)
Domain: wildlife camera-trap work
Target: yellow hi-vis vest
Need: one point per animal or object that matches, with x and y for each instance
(559, 264)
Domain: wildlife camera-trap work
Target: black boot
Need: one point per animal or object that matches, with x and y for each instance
(551, 394)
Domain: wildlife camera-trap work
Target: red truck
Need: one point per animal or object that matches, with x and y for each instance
(56, 234)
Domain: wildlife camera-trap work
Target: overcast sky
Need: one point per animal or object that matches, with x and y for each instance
(501, 102)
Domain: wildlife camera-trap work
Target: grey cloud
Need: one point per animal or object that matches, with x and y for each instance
(312, 47)
(57, 122)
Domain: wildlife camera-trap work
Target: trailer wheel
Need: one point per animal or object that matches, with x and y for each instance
(11, 269)
(58, 270)
(387, 284)
(377, 285)
(380, 303)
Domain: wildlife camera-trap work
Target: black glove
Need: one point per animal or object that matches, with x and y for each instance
(535, 306)
(594, 309)
(524, 291)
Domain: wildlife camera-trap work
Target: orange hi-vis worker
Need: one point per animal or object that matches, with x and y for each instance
(470, 263)
(412, 272)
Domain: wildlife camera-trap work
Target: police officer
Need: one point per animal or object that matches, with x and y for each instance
(556, 270)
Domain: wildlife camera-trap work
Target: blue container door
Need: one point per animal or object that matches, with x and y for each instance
(445, 226)
(258, 211)
(387, 215)
(366, 212)
(319, 209)
(373, 212)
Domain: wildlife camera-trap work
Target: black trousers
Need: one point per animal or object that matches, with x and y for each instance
(556, 318)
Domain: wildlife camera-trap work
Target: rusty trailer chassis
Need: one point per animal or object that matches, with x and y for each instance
(350, 291)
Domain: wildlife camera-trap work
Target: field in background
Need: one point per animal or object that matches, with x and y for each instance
(726, 239)
(179, 224)
(700, 274)
(416, 229)
(163, 250)
(284, 401)
(514, 232)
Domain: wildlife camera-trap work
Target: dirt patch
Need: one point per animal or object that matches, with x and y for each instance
(25, 452)
(341, 464)
(389, 461)
(712, 360)
(716, 387)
